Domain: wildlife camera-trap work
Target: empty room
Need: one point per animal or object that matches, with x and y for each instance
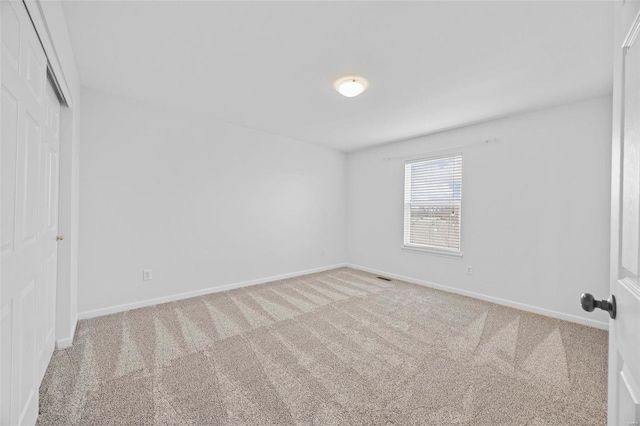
(320, 212)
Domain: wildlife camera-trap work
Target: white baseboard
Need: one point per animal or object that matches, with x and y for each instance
(150, 302)
(67, 341)
(537, 310)
(64, 343)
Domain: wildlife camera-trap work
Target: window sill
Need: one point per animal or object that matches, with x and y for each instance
(433, 251)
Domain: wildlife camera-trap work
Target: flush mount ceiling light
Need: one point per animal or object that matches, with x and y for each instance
(351, 86)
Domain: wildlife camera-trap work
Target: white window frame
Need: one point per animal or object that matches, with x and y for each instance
(428, 249)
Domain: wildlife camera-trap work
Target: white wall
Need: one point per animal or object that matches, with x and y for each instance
(201, 203)
(165, 190)
(535, 215)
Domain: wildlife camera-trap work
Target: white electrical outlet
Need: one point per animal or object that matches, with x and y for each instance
(469, 270)
(146, 275)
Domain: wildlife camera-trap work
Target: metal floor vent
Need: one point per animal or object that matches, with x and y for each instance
(384, 278)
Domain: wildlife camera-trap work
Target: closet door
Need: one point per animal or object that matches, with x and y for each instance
(48, 233)
(28, 216)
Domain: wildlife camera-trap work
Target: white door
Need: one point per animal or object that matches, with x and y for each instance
(30, 113)
(624, 330)
(48, 223)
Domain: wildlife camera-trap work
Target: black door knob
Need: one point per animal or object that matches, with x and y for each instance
(589, 304)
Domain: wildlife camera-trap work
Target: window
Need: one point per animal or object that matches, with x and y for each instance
(432, 203)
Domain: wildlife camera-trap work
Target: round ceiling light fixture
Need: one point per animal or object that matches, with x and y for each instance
(351, 86)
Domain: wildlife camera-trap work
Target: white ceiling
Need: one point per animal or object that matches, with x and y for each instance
(271, 65)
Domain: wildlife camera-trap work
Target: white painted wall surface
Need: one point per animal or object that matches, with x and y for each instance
(535, 215)
(202, 203)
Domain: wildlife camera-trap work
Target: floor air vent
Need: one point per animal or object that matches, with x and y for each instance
(384, 278)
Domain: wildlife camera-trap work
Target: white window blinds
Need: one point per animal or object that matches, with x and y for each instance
(432, 203)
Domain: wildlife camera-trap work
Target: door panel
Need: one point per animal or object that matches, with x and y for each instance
(6, 358)
(627, 409)
(28, 388)
(627, 367)
(8, 184)
(631, 173)
(29, 203)
(48, 228)
(51, 268)
(624, 333)
(29, 164)
(11, 37)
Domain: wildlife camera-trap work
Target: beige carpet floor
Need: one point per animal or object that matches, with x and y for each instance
(338, 347)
